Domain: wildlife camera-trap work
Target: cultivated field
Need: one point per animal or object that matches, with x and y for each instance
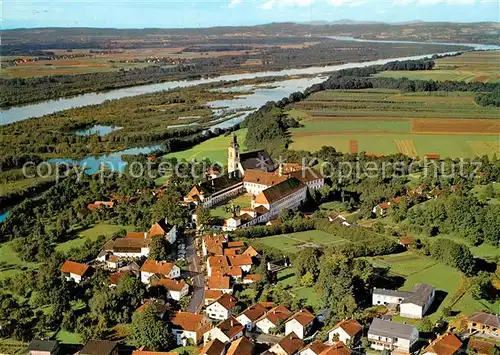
(470, 67)
(294, 242)
(388, 122)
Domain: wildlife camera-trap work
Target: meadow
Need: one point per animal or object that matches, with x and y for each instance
(452, 287)
(388, 121)
(214, 149)
(470, 67)
(294, 242)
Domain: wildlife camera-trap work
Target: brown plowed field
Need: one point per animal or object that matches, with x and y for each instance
(353, 146)
(350, 118)
(455, 126)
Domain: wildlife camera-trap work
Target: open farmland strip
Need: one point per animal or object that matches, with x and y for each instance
(406, 147)
(465, 126)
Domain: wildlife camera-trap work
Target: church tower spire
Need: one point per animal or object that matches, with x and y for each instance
(233, 155)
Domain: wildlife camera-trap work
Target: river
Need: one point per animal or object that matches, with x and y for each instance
(258, 97)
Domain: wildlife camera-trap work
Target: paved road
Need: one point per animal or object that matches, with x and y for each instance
(197, 276)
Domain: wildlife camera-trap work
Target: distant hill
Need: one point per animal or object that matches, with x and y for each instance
(341, 22)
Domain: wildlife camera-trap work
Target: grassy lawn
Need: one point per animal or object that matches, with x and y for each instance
(452, 287)
(242, 201)
(66, 337)
(288, 278)
(292, 242)
(10, 263)
(91, 233)
(214, 149)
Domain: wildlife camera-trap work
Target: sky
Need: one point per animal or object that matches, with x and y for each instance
(207, 13)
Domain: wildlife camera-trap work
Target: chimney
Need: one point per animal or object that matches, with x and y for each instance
(232, 323)
(280, 170)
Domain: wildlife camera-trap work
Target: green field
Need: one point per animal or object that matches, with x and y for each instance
(293, 242)
(242, 201)
(10, 263)
(91, 234)
(451, 285)
(388, 122)
(214, 149)
(470, 67)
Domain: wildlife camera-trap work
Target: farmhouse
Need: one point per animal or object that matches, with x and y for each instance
(413, 304)
(226, 331)
(484, 323)
(159, 269)
(74, 271)
(388, 335)
(300, 323)
(222, 308)
(347, 331)
(188, 326)
(43, 347)
(175, 289)
(128, 247)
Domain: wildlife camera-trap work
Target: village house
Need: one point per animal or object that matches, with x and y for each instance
(222, 308)
(100, 347)
(159, 307)
(251, 278)
(300, 323)
(241, 346)
(146, 352)
(382, 208)
(98, 204)
(128, 247)
(446, 344)
(114, 262)
(250, 315)
(226, 331)
(406, 242)
(43, 347)
(211, 296)
(251, 252)
(388, 335)
(115, 277)
(188, 328)
(314, 348)
(335, 217)
(163, 228)
(214, 347)
(271, 318)
(213, 245)
(483, 323)
(176, 289)
(243, 261)
(75, 271)
(347, 331)
(412, 304)
(338, 348)
(220, 283)
(160, 269)
(289, 345)
(216, 262)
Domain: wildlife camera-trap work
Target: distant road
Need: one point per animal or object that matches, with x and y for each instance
(197, 277)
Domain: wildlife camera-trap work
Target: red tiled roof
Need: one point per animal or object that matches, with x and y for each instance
(252, 277)
(240, 260)
(219, 282)
(276, 314)
(406, 240)
(255, 312)
(227, 301)
(72, 267)
(316, 347)
(188, 321)
(214, 261)
(291, 343)
(142, 352)
(98, 204)
(251, 252)
(338, 348)
(136, 235)
(235, 244)
(212, 294)
(241, 346)
(115, 277)
(157, 267)
(350, 326)
(172, 285)
(152, 303)
(213, 347)
(304, 317)
(230, 327)
(447, 344)
(263, 177)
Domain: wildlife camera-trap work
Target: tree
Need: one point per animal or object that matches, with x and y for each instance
(159, 248)
(168, 207)
(481, 287)
(307, 261)
(149, 331)
(426, 325)
(307, 280)
(203, 218)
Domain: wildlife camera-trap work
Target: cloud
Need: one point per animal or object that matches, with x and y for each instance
(448, 2)
(272, 3)
(234, 3)
(351, 3)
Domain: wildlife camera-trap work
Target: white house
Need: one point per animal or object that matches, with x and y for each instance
(388, 335)
(446, 344)
(222, 308)
(412, 304)
(220, 283)
(160, 268)
(315, 348)
(189, 327)
(75, 271)
(175, 289)
(128, 247)
(216, 262)
(271, 318)
(300, 323)
(165, 229)
(347, 331)
(245, 262)
(289, 345)
(226, 331)
(250, 315)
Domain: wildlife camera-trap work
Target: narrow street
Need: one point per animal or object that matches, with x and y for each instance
(197, 276)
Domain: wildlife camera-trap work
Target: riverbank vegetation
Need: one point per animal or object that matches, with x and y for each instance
(254, 57)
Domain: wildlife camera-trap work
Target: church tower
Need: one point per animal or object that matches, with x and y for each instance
(233, 155)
